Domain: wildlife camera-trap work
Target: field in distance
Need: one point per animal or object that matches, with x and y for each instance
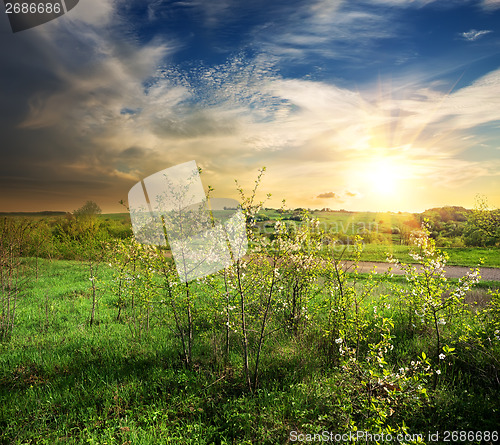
(383, 233)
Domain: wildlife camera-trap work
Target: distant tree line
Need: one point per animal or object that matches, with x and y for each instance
(64, 236)
(455, 226)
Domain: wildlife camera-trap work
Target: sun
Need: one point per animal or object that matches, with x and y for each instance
(387, 178)
(383, 177)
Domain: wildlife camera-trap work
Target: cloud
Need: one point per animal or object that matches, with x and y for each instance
(452, 172)
(465, 108)
(491, 4)
(68, 82)
(93, 12)
(403, 3)
(474, 34)
(90, 98)
(328, 195)
(339, 196)
(421, 3)
(333, 29)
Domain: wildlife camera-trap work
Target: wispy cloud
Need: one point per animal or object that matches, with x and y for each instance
(491, 4)
(324, 28)
(465, 108)
(474, 34)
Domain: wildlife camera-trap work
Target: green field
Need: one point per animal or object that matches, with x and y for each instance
(64, 381)
(458, 256)
(349, 223)
(111, 348)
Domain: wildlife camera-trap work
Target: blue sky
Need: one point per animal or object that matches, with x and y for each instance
(364, 105)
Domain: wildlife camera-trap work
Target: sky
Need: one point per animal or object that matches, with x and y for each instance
(378, 105)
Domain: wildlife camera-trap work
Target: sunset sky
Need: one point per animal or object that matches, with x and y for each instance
(362, 105)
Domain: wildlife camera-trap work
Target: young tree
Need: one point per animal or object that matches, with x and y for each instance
(13, 236)
(91, 245)
(431, 297)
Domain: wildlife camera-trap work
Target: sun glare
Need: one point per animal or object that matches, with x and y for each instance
(383, 177)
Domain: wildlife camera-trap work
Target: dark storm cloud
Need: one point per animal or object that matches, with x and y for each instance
(62, 88)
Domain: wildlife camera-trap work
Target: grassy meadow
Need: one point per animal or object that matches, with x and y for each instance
(109, 347)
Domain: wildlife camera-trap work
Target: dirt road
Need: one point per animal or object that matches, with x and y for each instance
(487, 273)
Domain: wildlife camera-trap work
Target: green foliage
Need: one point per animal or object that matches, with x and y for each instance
(431, 298)
(289, 338)
(106, 383)
(88, 210)
(14, 234)
(483, 228)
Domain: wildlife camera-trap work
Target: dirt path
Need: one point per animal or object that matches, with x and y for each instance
(487, 273)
